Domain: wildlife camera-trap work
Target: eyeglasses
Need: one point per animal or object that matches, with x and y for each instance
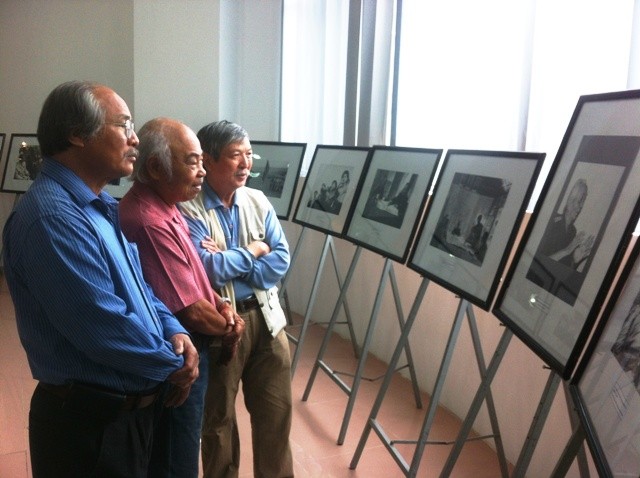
(127, 125)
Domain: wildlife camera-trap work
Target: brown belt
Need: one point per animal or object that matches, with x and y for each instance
(247, 304)
(128, 402)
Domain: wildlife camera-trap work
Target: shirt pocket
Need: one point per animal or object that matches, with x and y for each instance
(257, 234)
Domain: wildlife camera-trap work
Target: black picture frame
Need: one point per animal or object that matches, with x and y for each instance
(275, 171)
(23, 163)
(2, 139)
(605, 388)
(478, 205)
(391, 199)
(578, 232)
(328, 212)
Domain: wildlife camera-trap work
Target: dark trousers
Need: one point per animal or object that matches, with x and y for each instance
(69, 441)
(176, 443)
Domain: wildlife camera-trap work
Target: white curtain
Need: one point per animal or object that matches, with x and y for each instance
(496, 74)
(313, 76)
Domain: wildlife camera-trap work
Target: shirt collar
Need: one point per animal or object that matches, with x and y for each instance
(211, 200)
(154, 201)
(77, 188)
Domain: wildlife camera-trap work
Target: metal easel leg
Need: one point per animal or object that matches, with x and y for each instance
(353, 390)
(493, 418)
(583, 464)
(573, 448)
(299, 341)
(319, 363)
(537, 424)
(407, 350)
(479, 398)
(372, 422)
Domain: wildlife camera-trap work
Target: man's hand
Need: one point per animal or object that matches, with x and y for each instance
(231, 341)
(229, 315)
(188, 374)
(210, 245)
(258, 248)
(176, 396)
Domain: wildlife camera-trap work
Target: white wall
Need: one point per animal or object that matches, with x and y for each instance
(43, 43)
(176, 70)
(202, 60)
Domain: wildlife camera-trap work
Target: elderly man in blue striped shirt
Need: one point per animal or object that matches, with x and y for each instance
(97, 339)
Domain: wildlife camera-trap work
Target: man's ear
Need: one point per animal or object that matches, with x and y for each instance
(207, 160)
(153, 168)
(76, 141)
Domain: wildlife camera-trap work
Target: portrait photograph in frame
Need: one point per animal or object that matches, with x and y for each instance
(578, 231)
(391, 199)
(330, 186)
(23, 163)
(606, 386)
(478, 204)
(275, 171)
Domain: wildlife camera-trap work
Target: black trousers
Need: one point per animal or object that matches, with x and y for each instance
(82, 441)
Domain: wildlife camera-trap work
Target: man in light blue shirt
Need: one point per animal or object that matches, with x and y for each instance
(245, 254)
(97, 339)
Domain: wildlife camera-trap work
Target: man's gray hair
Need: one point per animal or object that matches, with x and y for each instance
(214, 137)
(154, 141)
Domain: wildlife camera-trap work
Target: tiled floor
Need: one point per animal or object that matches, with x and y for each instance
(316, 425)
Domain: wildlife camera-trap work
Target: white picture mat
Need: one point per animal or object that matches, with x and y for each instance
(377, 234)
(476, 280)
(609, 393)
(328, 164)
(550, 321)
(279, 156)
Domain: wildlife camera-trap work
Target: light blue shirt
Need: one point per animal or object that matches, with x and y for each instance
(83, 310)
(237, 263)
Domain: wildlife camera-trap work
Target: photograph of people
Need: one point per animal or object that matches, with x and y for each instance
(560, 261)
(469, 216)
(330, 196)
(389, 197)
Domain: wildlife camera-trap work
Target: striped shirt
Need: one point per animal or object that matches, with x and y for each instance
(83, 310)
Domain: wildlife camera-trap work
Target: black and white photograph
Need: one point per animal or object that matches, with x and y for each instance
(23, 163)
(392, 198)
(330, 195)
(275, 171)
(563, 257)
(330, 187)
(389, 198)
(471, 212)
(576, 236)
(606, 386)
(478, 204)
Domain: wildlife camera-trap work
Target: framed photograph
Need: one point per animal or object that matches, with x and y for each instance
(577, 236)
(329, 188)
(475, 213)
(275, 171)
(606, 385)
(391, 199)
(23, 163)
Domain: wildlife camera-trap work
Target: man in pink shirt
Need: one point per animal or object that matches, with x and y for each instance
(169, 170)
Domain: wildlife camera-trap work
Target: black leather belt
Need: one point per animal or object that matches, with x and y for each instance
(247, 304)
(85, 392)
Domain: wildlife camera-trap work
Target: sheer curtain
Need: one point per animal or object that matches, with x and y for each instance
(496, 74)
(313, 74)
